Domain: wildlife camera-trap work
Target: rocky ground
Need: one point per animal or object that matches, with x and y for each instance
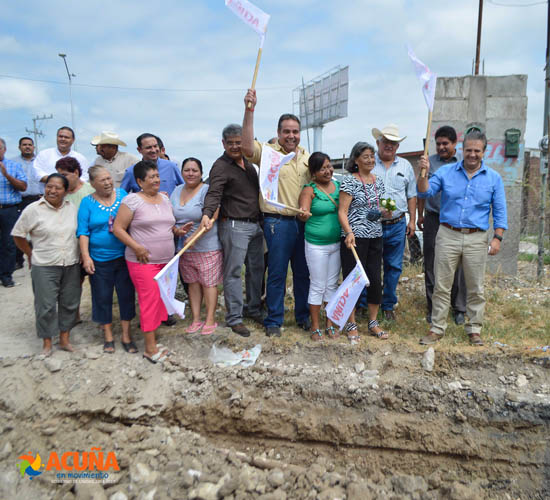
(382, 420)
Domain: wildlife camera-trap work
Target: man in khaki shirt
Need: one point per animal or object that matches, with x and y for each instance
(283, 232)
(114, 161)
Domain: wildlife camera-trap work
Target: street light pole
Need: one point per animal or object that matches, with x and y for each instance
(70, 76)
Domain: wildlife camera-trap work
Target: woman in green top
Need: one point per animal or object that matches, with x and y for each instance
(322, 235)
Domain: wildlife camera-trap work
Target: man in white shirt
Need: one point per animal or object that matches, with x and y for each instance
(114, 161)
(44, 163)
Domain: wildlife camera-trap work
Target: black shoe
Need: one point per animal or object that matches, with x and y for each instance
(459, 317)
(429, 318)
(171, 321)
(8, 283)
(272, 331)
(258, 318)
(241, 330)
(388, 315)
(18, 265)
(305, 325)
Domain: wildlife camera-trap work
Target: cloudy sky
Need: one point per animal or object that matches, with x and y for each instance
(182, 66)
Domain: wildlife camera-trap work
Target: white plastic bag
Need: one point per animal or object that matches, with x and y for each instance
(222, 356)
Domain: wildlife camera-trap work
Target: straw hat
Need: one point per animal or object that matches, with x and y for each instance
(107, 138)
(390, 132)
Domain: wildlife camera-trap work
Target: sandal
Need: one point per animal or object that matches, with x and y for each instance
(431, 338)
(109, 347)
(194, 327)
(317, 335)
(352, 327)
(130, 347)
(331, 333)
(475, 339)
(158, 357)
(208, 330)
(382, 335)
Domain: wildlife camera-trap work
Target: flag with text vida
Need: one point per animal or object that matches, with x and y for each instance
(251, 15)
(167, 280)
(270, 166)
(343, 301)
(427, 78)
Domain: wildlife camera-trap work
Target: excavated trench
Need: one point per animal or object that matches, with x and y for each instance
(303, 422)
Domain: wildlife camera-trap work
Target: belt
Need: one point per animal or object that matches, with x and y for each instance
(33, 197)
(8, 206)
(464, 230)
(241, 219)
(279, 216)
(393, 221)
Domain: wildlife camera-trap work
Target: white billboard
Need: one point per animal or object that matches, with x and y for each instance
(323, 99)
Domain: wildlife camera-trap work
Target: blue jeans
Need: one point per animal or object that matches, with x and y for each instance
(109, 276)
(285, 242)
(8, 218)
(394, 246)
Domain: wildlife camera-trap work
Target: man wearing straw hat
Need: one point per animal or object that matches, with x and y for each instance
(114, 161)
(284, 233)
(400, 183)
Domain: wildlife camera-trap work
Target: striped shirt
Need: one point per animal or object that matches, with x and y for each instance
(399, 182)
(8, 194)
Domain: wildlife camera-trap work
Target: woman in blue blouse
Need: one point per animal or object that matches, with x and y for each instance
(103, 258)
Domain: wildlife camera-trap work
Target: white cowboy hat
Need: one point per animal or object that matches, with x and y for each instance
(390, 132)
(107, 138)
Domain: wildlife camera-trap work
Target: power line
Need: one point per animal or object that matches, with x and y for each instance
(89, 85)
(516, 4)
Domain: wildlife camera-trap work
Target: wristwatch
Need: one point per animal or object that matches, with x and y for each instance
(498, 237)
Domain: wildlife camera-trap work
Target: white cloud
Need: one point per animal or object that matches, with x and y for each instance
(22, 95)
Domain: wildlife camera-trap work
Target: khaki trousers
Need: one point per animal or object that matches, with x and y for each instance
(451, 249)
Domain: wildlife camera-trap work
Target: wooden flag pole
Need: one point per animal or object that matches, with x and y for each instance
(427, 145)
(354, 252)
(186, 247)
(256, 72)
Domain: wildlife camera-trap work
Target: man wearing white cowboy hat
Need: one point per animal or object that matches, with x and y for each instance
(115, 162)
(400, 183)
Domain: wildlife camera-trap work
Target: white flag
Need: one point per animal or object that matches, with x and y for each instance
(427, 78)
(270, 166)
(251, 15)
(167, 280)
(343, 301)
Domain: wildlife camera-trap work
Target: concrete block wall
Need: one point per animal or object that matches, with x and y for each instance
(496, 103)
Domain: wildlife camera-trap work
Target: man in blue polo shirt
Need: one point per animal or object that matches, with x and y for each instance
(12, 181)
(170, 176)
(470, 191)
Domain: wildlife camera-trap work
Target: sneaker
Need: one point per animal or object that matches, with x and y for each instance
(8, 283)
(241, 330)
(171, 321)
(273, 331)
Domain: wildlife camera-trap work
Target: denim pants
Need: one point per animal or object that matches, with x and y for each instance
(285, 242)
(109, 276)
(241, 240)
(394, 246)
(8, 218)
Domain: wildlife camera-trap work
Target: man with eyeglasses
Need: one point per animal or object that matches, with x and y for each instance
(400, 183)
(235, 190)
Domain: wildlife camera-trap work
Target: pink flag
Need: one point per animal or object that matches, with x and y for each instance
(427, 78)
(343, 301)
(270, 166)
(251, 15)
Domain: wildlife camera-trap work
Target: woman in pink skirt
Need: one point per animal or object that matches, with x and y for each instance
(201, 266)
(145, 224)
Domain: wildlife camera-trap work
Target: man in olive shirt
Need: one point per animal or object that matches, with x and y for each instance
(283, 232)
(234, 187)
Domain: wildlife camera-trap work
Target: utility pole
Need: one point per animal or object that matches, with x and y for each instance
(478, 43)
(70, 76)
(547, 79)
(35, 131)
